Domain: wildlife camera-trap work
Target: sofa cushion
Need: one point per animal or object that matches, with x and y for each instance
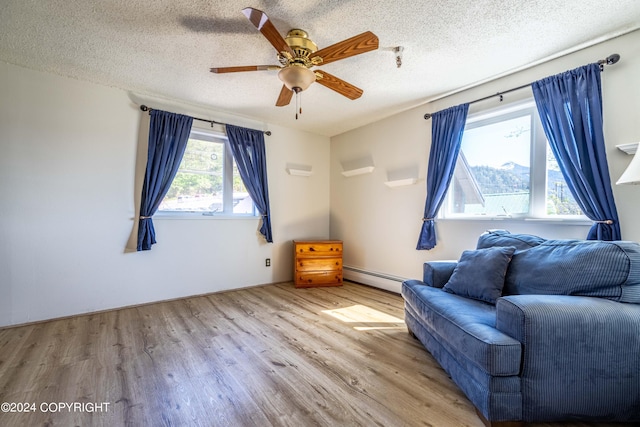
(480, 274)
(492, 238)
(465, 327)
(497, 398)
(577, 267)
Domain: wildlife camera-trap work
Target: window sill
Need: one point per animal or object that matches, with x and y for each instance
(550, 221)
(200, 216)
(562, 221)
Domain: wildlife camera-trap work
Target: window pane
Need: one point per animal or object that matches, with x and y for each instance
(206, 182)
(560, 201)
(492, 174)
(198, 184)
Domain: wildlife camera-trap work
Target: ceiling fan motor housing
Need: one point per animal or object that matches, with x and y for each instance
(296, 74)
(300, 42)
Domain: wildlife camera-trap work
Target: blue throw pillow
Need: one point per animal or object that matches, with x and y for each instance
(480, 274)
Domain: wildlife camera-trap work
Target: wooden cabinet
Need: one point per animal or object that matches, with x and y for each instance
(317, 263)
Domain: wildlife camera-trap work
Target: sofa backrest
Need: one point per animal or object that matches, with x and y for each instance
(492, 238)
(577, 267)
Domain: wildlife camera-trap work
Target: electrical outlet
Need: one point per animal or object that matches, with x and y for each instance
(267, 262)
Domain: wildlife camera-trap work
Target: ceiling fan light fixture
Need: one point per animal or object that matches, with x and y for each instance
(297, 54)
(296, 77)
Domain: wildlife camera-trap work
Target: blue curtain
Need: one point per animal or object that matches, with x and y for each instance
(447, 127)
(570, 108)
(168, 136)
(247, 147)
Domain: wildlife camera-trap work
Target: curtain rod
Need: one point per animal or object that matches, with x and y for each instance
(609, 60)
(145, 108)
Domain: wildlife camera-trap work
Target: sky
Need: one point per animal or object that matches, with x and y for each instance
(499, 143)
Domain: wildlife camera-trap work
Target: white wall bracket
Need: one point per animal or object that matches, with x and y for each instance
(401, 182)
(358, 171)
(630, 148)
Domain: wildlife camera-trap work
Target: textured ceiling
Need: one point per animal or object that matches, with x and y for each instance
(164, 48)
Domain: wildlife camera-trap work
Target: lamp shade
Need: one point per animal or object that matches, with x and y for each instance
(632, 174)
(297, 78)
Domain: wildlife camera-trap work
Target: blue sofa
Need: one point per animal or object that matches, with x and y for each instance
(535, 330)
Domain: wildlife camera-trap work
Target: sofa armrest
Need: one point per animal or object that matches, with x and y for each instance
(437, 273)
(581, 355)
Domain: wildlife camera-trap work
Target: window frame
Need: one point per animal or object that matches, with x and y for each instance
(538, 168)
(213, 136)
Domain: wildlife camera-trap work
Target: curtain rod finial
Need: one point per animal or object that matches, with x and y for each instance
(613, 59)
(427, 116)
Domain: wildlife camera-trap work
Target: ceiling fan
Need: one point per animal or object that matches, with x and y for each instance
(297, 54)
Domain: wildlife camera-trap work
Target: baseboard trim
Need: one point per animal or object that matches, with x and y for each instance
(125, 307)
(376, 279)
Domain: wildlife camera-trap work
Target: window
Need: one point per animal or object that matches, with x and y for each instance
(207, 182)
(506, 169)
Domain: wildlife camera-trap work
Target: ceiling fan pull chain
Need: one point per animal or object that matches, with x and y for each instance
(298, 104)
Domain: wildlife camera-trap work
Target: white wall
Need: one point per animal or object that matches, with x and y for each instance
(380, 226)
(67, 203)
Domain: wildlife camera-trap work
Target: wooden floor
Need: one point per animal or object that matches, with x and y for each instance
(265, 356)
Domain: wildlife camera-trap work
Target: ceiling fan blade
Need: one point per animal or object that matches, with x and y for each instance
(285, 97)
(356, 45)
(339, 85)
(261, 21)
(220, 70)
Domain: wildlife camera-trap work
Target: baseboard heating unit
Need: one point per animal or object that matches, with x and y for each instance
(373, 278)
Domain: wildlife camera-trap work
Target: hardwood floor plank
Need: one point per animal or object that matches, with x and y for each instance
(272, 355)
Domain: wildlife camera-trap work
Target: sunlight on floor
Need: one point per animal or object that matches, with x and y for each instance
(367, 318)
